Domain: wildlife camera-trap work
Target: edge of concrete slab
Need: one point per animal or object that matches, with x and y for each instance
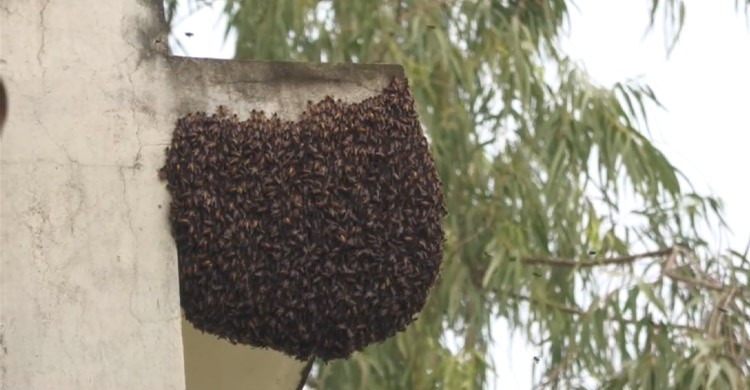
(191, 69)
(196, 81)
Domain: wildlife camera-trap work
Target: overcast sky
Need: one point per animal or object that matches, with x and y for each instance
(704, 85)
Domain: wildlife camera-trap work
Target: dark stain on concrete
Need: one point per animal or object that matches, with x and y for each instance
(3, 105)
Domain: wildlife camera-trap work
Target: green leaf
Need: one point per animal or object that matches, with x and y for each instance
(730, 373)
(649, 293)
(494, 264)
(714, 371)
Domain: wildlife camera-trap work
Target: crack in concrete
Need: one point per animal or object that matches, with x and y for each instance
(129, 220)
(136, 51)
(75, 186)
(128, 211)
(40, 52)
(136, 165)
(136, 275)
(126, 34)
(137, 160)
(138, 156)
(62, 163)
(58, 144)
(359, 84)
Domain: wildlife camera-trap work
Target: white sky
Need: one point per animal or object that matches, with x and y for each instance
(704, 84)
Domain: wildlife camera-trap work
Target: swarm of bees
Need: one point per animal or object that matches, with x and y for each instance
(314, 238)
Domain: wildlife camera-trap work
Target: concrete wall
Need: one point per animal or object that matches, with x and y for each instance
(88, 283)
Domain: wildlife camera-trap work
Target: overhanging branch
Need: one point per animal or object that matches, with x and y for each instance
(622, 260)
(668, 268)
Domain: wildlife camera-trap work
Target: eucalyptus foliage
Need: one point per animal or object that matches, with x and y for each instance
(534, 158)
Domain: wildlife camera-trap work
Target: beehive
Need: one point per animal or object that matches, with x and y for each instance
(313, 237)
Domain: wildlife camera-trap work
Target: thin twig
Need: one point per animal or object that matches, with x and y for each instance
(470, 238)
(312, 383)
(305, 375)
(697, 282)
(554, 377)
(594, 263)
(670, 270)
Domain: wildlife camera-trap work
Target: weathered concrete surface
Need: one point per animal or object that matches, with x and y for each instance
(88, 280)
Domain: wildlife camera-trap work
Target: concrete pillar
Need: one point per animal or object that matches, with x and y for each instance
(88, 279)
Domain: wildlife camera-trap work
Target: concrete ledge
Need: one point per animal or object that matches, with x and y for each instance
(246, 85)
(243, 71)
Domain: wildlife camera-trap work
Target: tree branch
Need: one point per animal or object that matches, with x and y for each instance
(668, 270)
(554, 377)
(711, 285)
(594, 263)
(466, 240)
(670, 266)
(305, 376)
(312, 383)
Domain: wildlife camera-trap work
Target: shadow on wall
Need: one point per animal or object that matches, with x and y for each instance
(3, 105)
